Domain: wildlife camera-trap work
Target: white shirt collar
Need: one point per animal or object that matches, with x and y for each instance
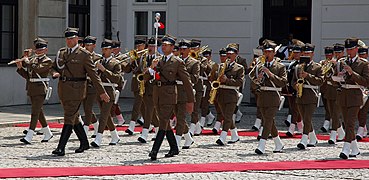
(169, 56)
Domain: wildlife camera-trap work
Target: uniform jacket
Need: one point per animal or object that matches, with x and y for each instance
(90, 88)
(193, 69)
(315, 78)
(110, 75)
(40, 65)
(243, 62)
(271, 98)
(77, 64)
(169, 71)
(360, 76)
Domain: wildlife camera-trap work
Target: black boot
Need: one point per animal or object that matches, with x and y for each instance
(155, 148)
(80, 132)
(66, 132)
(172, 143)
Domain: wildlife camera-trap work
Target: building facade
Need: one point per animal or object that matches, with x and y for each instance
(215, 22)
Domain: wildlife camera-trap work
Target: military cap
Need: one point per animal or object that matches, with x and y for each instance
(107, 43)
(90, 40)
(269, 45)
(234, 45)
(363, 50)
(184, 43)
(168, 39)
(296, 48)
(207, 52)
(71, 32)
(116, 44)
(176, 47)
(151, 41)
(308, 47)
(338, 47)
(195, 43)
(140, 41)
(351, 43)
(40, 43)
(80, 40)
(328, 50)
(223, 52)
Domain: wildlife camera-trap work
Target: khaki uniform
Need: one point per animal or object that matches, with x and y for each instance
(253, 88)
(165, 91)
(205, 99)
(193, 68)
(227, 98)
(307, 103)
(350, 100)
(88, 103)
(323, 90)
(72, 86)
(269, 100)
(198, 86)
(331, 97)
(110, 75)
(136, 69)
(36, 90)
(292, 99)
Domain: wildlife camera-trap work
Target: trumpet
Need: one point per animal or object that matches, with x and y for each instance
(257, 69)
(216, 84)
(300, 82)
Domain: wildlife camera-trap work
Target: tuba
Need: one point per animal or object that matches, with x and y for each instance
(216, 84)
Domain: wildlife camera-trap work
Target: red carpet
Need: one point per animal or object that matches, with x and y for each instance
(181, 168)
(204, 132)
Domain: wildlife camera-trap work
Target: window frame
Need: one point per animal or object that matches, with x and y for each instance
(14, 32)
(77, 10)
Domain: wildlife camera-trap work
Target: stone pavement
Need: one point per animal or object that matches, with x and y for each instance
(130, 152)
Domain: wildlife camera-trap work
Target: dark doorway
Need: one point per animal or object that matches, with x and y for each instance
(284, 17)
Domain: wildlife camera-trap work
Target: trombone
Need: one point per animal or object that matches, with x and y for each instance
(132, 55)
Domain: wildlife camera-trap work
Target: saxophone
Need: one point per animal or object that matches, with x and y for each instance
(300, 82)
(140, 78)
(216, 84)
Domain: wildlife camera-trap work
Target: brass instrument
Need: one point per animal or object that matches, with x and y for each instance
(133, 55)
(257, 69)
(25, 57)
(327, 65)
(300, 81)
(216, 84)
(140, 78)
(196, 54)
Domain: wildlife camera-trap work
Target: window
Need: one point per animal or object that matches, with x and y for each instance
(8, 30)
(151, 0)
(79, 16)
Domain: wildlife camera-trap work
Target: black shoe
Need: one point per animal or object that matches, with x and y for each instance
(153, 155)
(25, 141)
(219, 142)
(301, 146)
(232, 142)
(129, 132)
(64, 137)
(208, 125)
(312, 145)
(25, 131)
(255, 128)
(153, 139)
(287, 123)
(93, 144)
(258, 138)
(140, 122)
(331, 142)
(80, 132)
(172, 153)
(354, 155)
(215, 131)
(343, 156)
(288, 134)
(323, 129)
(93, 136)
(142, 140)
(237, 121)
(196, 134)
(39, 133)
(358, 138)
(59, 152)
(172, 143)
(340, 140)
(257, 151)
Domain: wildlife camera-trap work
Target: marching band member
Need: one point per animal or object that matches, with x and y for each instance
(362, 130)
(307, 79)
(35, 71)
(271, 77)
(328, 53)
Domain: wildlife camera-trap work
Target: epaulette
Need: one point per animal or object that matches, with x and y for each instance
(85, 51)
(364, 60)
(63, 49)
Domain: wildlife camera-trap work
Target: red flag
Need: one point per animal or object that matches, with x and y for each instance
(161, 25)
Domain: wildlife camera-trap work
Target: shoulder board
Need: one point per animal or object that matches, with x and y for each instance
(177, 58)
(85, 51)
(363, 60)
(62, 49)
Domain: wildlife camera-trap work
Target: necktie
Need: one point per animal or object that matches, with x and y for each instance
(70, 51)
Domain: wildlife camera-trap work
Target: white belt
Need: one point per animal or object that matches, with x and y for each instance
(39, 80)
(266, 88)
(181, 82)
(310, 86)
(203, 78)
(329, 83)
(110, 84)
(229, 87)
(349, 86)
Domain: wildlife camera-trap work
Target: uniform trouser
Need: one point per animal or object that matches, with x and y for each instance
(220, 117)
(268, 116)
(306, 111)
(258, 113)
(334, 113)
(105, 117)
(349, 116)
(180, 111)
(327, 115)
(37, 111)
(149, 112)
(136, 111)
(363, 114)
(205, 104)
(236, 109)
(227, 110)
(294, 111)
(196, 108)
(71, 111)
(88, 103)
(164, 112)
